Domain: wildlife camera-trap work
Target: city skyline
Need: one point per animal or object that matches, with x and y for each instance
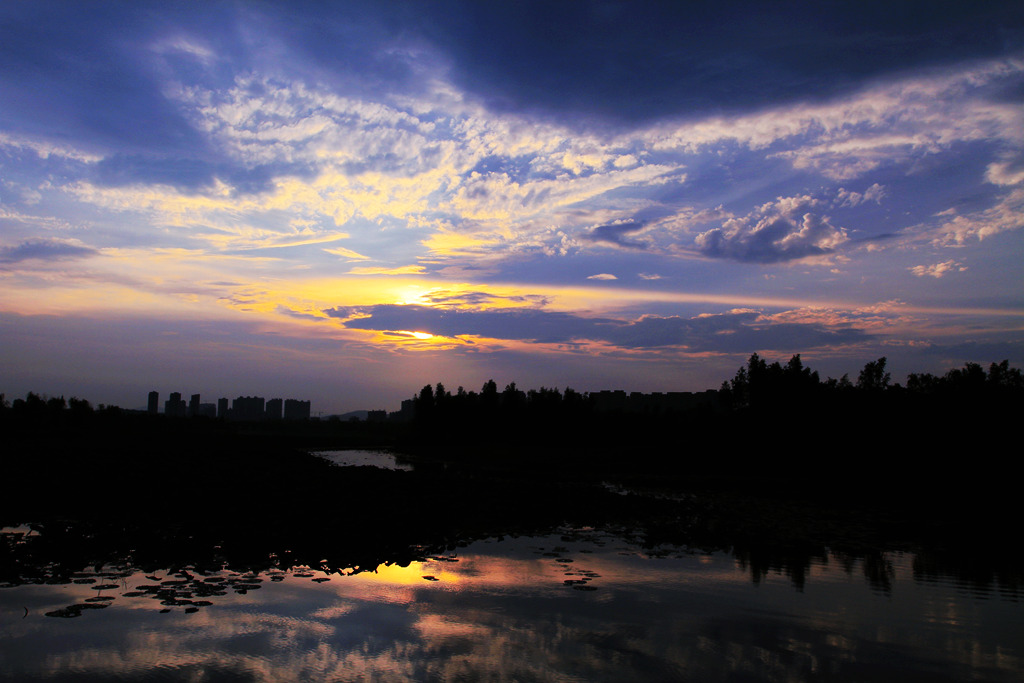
(239, 408)
(352, 202)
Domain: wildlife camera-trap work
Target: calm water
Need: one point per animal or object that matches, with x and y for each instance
(575, 606)
(363, 458)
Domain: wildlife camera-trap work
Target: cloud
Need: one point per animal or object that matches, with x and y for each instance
(512, 324)
(482, 299)
(1007, 214)
(738, 56)
(889, 123)
(848, 198)
(783, 230)
(378, 270)
(1005, 173)
(46, 249)
(938, 270)
(616, 234)
(732, 332)
(602, 276)
(346, 253)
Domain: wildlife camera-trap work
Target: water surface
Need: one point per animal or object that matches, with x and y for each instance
(364, 458)
(578, 605)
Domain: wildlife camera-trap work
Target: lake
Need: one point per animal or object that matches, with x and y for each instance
(573, 605)
(363, 458)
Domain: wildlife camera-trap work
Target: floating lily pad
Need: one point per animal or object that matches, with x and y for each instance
(246, 587)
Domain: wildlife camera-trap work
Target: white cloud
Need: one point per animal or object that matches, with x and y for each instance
(790, 228)
(882, 124)
(845, 197)
(602, 276)
(937, 270)
(1004, 173)
(1007, 214)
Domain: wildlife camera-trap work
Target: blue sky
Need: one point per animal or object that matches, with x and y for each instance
(344, 203)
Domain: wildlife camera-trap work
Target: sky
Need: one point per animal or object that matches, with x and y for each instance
(343, 202)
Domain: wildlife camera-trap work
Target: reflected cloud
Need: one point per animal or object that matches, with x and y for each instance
(645, 613)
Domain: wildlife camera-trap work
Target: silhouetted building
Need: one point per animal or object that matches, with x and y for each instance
(154, 402)
(249, 408)
(376, 415)
(193, 405)
(296, 410)
(407, 411)
(222, 408)
(174, 406)
(274, 408)
(207, 410)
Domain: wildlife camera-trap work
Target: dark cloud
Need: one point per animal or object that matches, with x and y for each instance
(482, 298)
(45, 250)
(91, 70)
(785, 230)
(525, 324)
(82, 71)
(190, 173)
(617, 234)
(630, 61)
(739, 331)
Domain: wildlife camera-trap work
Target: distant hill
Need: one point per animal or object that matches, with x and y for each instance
(345, 417)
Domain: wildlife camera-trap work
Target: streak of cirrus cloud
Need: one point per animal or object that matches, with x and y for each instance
(553, 193)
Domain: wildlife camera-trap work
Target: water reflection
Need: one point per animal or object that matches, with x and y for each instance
(578, 605)
(364, 458)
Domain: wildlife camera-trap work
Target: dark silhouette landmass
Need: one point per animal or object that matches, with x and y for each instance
(777, 467)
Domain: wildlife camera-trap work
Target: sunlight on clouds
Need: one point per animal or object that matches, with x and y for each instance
(45, 149)
(846, 137)
(447, 242)
(1006, 215)
(378, 270)
(937, 270)
(346, 253)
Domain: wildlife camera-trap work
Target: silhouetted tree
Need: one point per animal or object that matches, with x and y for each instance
(1002, 375)
(874, 377)
(79, 405)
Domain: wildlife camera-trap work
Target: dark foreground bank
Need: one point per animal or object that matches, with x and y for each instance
(152, 493)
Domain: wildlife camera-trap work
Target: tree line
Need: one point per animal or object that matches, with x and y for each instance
(757, 385)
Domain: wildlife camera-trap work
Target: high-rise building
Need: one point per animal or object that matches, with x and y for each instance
(154, 402)
(274, 408)
(248, 408)
(193, 405)
(174, 406)
(296, 410)
(222, 408)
